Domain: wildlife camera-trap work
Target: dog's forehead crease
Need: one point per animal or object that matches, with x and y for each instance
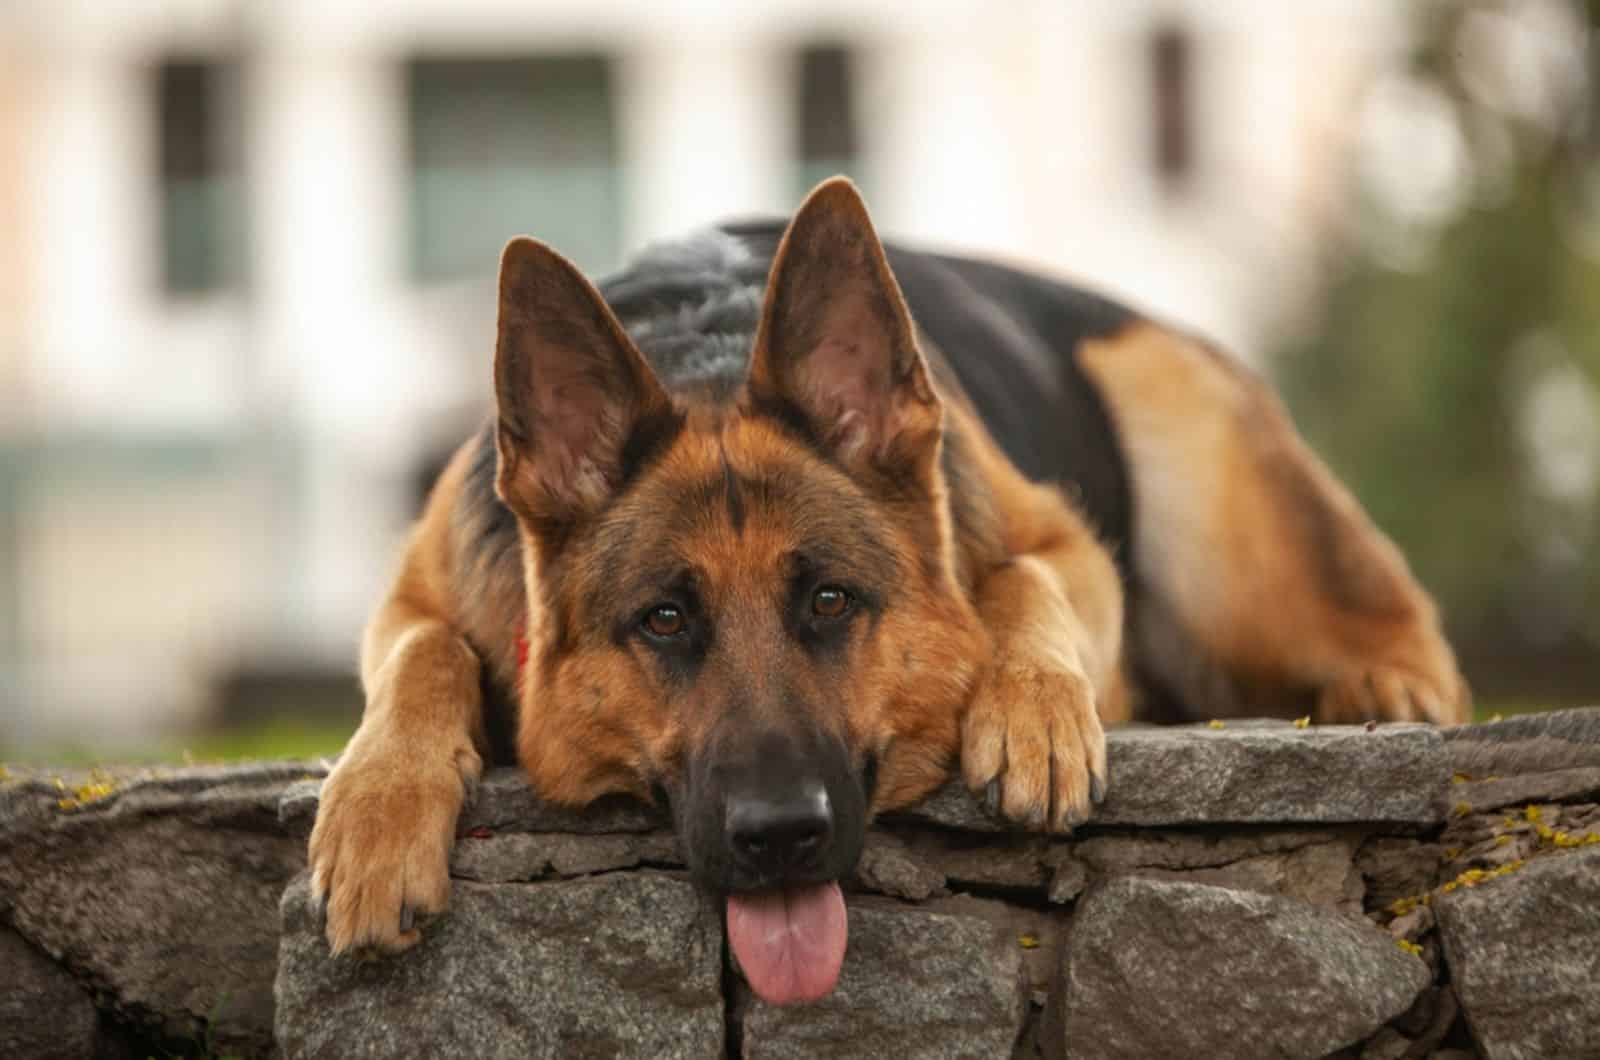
(726, 512)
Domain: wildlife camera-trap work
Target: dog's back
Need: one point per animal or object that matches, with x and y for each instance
(1087, 394)
(998, 338)
(778, 550)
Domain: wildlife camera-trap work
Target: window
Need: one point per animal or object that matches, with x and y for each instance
(826, 123)
(199, 183)
(1172, 104)
(509, 146)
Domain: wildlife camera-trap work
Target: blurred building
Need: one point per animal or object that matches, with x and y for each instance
(247, 249)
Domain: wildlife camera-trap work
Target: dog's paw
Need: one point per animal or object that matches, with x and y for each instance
(1032, 741)
(1391, 693)
(380, 851)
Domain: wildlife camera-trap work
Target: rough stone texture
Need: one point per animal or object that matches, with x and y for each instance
(1218, 972)
(888, 866)
(1524, 954)
(951, 806)
(156, 902)
(1528, 743)
(1491, 793)
(1248, 774)
(503, 802)
(1532, 758)
(44, 1013)
(162, 895)
(1387, 1044)
(1126, 851)
(615, 965)
(1068, 880)
(1397, 867)
(1037, 931)
(32, 798)
(986, 860)
(1316, 866)
(1322, 874)
(916, 983)
(1429, 1020)
(297, 808)
(1503, 840)
(520, 857)
(1320, 775)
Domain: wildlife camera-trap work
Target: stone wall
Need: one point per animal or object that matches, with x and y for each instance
(1253, 890)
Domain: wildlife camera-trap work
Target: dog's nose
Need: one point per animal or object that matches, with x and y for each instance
(778, 835)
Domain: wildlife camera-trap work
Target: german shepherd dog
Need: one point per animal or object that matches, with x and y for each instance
(777, 526)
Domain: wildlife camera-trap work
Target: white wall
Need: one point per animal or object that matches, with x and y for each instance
(1019, 130)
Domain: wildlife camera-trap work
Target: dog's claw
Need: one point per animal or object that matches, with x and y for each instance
(991, 796)
(408, 918)
(1097, 788)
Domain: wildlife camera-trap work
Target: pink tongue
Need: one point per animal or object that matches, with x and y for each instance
(790, 943)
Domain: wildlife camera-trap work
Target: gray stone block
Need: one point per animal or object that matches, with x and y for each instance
(1163, 968)
(163, 895)
(1528, 743)
(615, 965)
(1249, 774)
(916, 984)
(45, 1014)
(1524, 955)
(521, 856)
(504, 802)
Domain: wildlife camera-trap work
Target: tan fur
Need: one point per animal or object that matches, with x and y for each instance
(1265, 577)
(387, 819)
(1000, 645)
(1054, 609)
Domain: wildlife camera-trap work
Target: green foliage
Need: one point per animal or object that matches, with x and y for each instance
(1415, 386)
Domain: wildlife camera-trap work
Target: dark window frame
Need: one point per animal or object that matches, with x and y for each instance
(828, 128)
(198, 173)
(1171, 64)
(484, 130)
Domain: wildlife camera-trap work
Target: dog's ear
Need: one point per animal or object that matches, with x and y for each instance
(575, 397)
(836, 343)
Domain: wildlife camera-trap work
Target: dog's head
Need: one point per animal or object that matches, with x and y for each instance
(748, 602)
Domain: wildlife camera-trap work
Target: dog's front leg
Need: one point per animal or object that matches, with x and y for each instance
(380, 850)
(1032, 735)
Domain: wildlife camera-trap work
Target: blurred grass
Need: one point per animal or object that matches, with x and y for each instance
(284, 737)
(275, 738)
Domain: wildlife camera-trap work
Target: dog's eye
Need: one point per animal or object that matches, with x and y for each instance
(665, 620)
(830, 601)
